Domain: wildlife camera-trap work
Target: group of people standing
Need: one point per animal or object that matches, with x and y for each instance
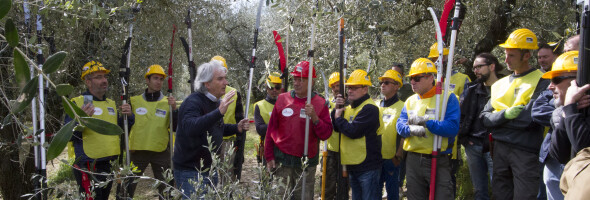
(500, 120)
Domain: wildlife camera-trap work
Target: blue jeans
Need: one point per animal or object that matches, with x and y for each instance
(480, 164)
(551, 176)
(390, 176)
(188, 180)
(365, 184)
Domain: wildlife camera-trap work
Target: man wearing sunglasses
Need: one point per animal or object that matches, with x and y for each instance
(360, 124)
(391, 151)
(517, 138)
(263, 110)
(417, 125)
(472, 134)
(285, 135)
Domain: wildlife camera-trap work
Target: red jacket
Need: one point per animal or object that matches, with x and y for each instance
(286, 127)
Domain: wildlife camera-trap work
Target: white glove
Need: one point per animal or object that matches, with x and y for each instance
(418, 131)
(418, 120)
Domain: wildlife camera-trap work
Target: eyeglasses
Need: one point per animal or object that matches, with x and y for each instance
(477, 67)
(354, 87)
(558, 79)
(388, 82)
(417, 78)
(277, 87)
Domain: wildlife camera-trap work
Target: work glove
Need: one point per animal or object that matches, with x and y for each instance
(417, 120)
(418, 131)
(513, 112)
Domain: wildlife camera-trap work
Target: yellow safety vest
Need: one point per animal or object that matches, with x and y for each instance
(265, 109)
(389, 130)
(506, 94)
(333, 140)
(354, 151)
(458, 83)
(152, 119)
(230, 114)
(96, 145)
(421, 107)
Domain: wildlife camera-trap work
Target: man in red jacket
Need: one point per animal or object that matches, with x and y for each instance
(284, 143)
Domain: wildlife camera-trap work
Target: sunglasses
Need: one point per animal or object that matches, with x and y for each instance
(558, 79)
(277, 87)
(387, 83)
(417, 78)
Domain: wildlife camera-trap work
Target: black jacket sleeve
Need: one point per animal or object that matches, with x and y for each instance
(239, 108)
(577, 127)
(543, 108)
(367, 118)
(259, 122)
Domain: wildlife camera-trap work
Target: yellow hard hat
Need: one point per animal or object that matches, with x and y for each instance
(220, 59)
(91, 67)
(358, 77)
(334, 77)
(434, 51)
(521, 39)
(392, 74)
(274, 79)
(155, 69)
(421, 66)
(566, 62)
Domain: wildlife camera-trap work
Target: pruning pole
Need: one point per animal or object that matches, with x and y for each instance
(307, 120)
(171, 127)
(253, 60)
(437, 139)
(325, 152)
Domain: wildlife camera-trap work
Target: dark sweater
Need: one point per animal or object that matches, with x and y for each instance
(199, 118)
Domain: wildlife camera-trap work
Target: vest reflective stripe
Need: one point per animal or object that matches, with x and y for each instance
(333, 140)
(506, 94)
(230, 114)
(458, 83)
(389, 131)
(421, 107)
(354, 151)
(97, 145)
(150, 131)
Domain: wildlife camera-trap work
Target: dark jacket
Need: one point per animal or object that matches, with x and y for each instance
(475, 96)
(572, 135)
(198, 118)
(520, 132)
(365, 124)
(260, 125)
(543, 108)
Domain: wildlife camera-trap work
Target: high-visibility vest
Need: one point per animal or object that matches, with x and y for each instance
(389, 130)
(422, 107)
(506, 93)
(96, 145)
(230, 114)
(458, 83)
(333, 140)
(354, 151)
(265, 109)
(152, 119)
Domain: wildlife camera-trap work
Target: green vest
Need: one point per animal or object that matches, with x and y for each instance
(97, 145)
(333, 140)
(389, 131)
(152, 119)
(230, 114)
(506, 93)
(354, 151)
(421, 107)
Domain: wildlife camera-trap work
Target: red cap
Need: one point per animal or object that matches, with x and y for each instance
(302, 70)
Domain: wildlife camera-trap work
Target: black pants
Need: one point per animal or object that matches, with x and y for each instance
(160, 162)
(86, 180)
(516, 173)
(332, 175)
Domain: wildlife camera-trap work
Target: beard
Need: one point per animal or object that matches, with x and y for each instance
(483, 78)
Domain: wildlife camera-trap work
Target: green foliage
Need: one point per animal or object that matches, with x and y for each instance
(64, 89)
(11, 33)
(60, 141)
(5, 6)
(21, 69)
(53, 63)
(64, 174)
(27, 94)
(101, 126)
(68, 106)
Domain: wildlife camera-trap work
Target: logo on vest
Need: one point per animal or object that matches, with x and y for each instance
(111, 110)
(141, 111)
(160, 113)
(430, 113)
(97, 111)
(287, 112)
(452, 87)
(270, 113)
(387, 117)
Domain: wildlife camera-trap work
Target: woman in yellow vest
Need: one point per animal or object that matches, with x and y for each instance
(391, 107)
(263, 110)
(149, 135)
(417, 125)
(94, 152)
(360, 149)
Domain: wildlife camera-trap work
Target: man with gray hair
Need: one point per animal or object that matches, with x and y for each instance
(201, 116)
